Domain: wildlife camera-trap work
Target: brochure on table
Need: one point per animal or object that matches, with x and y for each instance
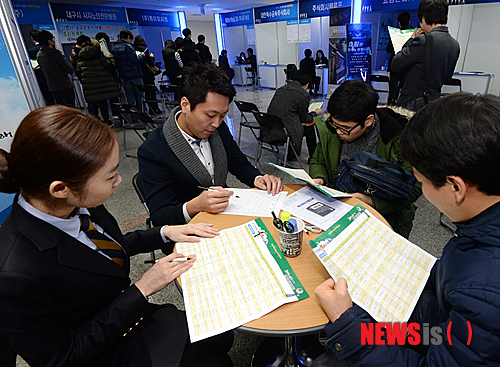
(239, 276)
(385, 272)
(255, 203)
(301, 175)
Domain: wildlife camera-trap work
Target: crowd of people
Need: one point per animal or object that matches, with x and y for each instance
(66, 297)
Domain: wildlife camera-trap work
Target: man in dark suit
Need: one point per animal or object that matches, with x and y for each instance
(42, 82)
(195, 149)
(204, 50)
(433, 16)
(307, 64)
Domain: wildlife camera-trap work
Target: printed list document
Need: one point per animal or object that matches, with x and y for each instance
(255, 203)
(385, 272)
(238, 277)
(313, 207)
(301, 175)
(399, 37)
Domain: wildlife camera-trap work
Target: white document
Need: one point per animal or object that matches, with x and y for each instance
(301, 175)
(104, 47)
(255, 203)
(315, 208)
(234, 280)
(399, 37)
(315, 105)
(385, 272)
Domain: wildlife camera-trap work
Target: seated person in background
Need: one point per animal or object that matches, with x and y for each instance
(195, 148)
(321, 58)
(224, 64)
(243, 58)
(65, 292)
(453, 146)
(291, 104)
(251, 59)
(356, 124)
(307, 64)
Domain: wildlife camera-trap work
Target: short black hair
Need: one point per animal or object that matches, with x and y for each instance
(353, 100)
(457, 135)
(102, 35)
(186, 32)
(308, 52)
(126, 34)
(34, 33)
(434, 11)
(179, 42)
(43, 37)
(201, 37)
(82, 39)
(250, 50)
(223, 52)
(404, 19)
(201, 78)
(302, 76)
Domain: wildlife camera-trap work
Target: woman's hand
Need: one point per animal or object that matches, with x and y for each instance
(163, 272)
(190, 232)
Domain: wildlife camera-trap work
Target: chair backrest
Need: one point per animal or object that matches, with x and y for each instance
(127, 110)
(246, 106)
(137, 183)
(249, 71)
(147, 88)
(381, 85)
(453, 86)
(272, 130)
(7, 355)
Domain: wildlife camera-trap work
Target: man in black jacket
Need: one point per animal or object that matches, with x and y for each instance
(204, 50)
(42, 82)
(307, 64)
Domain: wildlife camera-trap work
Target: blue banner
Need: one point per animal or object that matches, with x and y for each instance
(144, 17)
(388, 5)
(87, 13)
(32, 13)
(319, 8)
(359, 54)
(277, 13)
(237, 18)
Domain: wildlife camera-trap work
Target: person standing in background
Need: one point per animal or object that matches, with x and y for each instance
(307, 64)
(188, 53)
(81, 42)
(172, 62)
(186, 32)
(204, 50)
(128, 63)
(396, 80)
(148, 78)
(55, 68)
(40, 78)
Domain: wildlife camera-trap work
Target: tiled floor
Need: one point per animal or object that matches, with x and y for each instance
(130, 213)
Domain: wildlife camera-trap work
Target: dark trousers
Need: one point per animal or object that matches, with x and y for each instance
(103, 107)
(114, 110)
(396, 81)
(310, 134)
(65, 97)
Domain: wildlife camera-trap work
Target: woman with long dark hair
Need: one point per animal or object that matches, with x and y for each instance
(65, 292)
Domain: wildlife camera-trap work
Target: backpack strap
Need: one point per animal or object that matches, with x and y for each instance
(428, 62)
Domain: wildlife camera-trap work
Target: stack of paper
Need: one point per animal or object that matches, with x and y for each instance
(315, 105)
(385, 272)
(399, 37)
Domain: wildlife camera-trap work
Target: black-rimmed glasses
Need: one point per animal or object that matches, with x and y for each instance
(343, 130)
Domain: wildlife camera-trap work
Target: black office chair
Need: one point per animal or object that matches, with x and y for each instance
(137, 183)
(273, 133)
(253, 78)
(247, 107)
(7, 355)
(133, 119)
(289, 71)
(453, 86)
(381, 85)
(152, 104)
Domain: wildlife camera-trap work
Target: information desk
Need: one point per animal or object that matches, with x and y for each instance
(296, 318)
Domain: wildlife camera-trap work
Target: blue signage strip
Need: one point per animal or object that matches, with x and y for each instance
(237, 18)
(319, 8)
(32, 13)
(87, 13)
(359, 55)
(388, 5)
(145, 17)
(277, 13)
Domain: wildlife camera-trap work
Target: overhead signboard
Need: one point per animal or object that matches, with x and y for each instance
(237, 18)
(32, 12)
(145, 17)
(319, 8)
(277, 13)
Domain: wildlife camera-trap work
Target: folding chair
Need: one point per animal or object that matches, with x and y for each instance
(133, 119)
(273, 133)
(453, 86)
(137, 183)
(249, 108)
(150, 103)
(381, 85)
(254, 79)
(170, 91)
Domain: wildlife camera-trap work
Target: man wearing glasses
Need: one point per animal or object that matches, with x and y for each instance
(356, 124)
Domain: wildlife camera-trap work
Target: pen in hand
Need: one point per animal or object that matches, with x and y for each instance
(181, 259)
(210, 189)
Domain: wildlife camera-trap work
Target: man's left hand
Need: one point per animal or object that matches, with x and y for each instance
(364, 198)
(272, 184)
(334, 298)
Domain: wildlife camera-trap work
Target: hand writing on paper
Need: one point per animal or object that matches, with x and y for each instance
(213, 201)
(364, 198)
(163, 272)
(190, 232)
(272, 184)
(334, 298)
